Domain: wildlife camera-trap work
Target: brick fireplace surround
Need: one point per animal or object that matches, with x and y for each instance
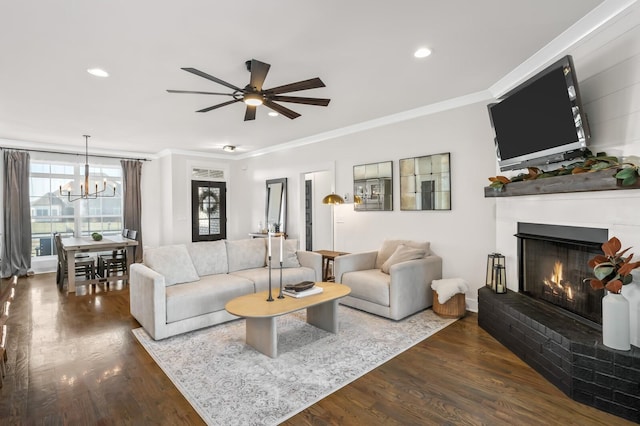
(567, 352)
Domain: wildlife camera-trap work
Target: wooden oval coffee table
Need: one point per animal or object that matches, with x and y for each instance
(261, 316)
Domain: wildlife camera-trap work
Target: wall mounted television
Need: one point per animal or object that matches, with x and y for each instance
(542, 120)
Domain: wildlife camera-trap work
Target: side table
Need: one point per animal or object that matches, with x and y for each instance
(327, 257)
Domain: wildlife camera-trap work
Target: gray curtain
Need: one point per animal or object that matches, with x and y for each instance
(132, 214)
(16, 241)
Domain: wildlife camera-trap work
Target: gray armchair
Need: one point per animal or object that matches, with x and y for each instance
(393, 282)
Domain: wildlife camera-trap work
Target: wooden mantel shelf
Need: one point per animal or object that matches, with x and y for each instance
(592, 181)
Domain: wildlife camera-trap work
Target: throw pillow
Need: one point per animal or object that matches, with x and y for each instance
(402, 254)
(173, 262)
(209, 257)
(390, 246)
(246, 254)
(289, 255)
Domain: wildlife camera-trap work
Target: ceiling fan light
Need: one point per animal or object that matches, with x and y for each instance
(423, 52)
(98, 72)
(253, 99)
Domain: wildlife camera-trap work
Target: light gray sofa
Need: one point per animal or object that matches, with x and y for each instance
(185, 287)
(393, 282)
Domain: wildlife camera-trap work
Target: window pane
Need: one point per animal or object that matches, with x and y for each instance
(39, 168)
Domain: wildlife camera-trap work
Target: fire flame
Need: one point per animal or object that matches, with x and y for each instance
(556, 281)
(556, 277)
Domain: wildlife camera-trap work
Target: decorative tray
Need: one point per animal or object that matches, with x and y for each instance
(304, 285)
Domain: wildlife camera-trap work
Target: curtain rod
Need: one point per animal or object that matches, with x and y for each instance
(76, 154)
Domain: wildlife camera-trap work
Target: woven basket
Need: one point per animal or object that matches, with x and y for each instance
(452, 308)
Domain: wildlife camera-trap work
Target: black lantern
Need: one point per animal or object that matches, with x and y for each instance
(500, 277)
(493, 260)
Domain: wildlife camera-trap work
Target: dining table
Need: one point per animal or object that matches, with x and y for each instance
(74, 245)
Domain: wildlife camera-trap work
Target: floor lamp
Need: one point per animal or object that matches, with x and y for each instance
(333, 199)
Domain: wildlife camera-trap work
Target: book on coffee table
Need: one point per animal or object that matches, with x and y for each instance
(303, 293)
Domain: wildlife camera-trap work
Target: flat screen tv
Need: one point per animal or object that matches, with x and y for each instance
(542, 120)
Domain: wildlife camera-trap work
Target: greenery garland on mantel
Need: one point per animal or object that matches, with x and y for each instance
(626, 172)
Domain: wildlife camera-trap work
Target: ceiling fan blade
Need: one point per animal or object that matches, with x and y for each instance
(259, 72)
(212, 78)
(199, 93)
(280, 109)
(219, 105)
(299, 100)
(312, 83)
(250, 113)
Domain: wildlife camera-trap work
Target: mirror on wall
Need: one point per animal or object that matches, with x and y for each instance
(373, 183)
(425, 183)
(276, 210)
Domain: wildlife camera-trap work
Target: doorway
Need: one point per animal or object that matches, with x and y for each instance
(317, 216)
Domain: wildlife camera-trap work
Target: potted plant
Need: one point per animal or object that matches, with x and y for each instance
(612, 270)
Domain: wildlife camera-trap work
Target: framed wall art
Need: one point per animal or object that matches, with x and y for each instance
(425, 182)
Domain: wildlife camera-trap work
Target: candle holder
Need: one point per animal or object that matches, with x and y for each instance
(493, 260)
(500, 276)
(270, 298)
(281, 296)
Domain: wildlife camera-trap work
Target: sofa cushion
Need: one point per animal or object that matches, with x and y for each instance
(370, 284)
(210, 294)
(389, 246)
(403, 253)
(289, 254)
(209, 257)
(173, 262)
(246, 254)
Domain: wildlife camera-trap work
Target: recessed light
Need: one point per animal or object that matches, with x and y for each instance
(423, 52)
(273, 114)
(98, 72)
(229, 148)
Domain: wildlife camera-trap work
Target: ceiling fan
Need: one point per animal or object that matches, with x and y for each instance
(253, 95)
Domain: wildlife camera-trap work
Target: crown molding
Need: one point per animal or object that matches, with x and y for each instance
(72, 150)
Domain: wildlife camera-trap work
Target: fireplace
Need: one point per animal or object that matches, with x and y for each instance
(552, 322)
(552, 267)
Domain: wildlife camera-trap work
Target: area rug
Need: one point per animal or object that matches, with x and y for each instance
(230, 383)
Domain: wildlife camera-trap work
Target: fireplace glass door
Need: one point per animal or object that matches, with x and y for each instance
(556, 271)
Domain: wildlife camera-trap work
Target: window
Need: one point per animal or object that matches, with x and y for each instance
(51, 212)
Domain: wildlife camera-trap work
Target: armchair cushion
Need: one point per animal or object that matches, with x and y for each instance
(403, 253)
(371, 285)
(173, 262)
(390, 246)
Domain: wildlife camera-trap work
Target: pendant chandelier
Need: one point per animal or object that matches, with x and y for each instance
(84, 189)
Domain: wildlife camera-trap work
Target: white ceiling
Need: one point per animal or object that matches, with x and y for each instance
(361, 49)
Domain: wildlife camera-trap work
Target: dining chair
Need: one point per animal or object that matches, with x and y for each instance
(85, 266)
(115, 263)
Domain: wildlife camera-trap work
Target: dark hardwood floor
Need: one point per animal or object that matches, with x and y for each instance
(73, 360)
